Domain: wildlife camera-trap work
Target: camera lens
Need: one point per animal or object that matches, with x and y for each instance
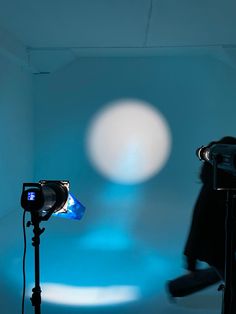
(203, 153)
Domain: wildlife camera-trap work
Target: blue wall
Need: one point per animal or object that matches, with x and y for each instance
(16, 120)
(197, 97)
(16, 167)
(131, 235)
(195, 94)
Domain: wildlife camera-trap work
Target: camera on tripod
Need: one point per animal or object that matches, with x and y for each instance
(224, 155)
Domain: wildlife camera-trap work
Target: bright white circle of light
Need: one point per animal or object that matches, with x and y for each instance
(129, 141)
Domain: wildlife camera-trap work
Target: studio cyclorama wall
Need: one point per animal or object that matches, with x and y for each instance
(16, 167)
(17, 131)
(133, 232)
(124, 132)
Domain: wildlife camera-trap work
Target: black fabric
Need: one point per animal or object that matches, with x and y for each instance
(206, 239)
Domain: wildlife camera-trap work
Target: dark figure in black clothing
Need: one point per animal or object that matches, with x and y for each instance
(206, 239)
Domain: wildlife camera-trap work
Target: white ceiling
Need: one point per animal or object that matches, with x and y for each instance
(58, 31)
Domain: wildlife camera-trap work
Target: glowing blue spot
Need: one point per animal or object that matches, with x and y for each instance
(106, 238)
(88, 296)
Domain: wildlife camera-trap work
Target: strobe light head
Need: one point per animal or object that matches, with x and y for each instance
(48, 198)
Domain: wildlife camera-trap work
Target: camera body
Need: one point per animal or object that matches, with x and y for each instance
(221, 155)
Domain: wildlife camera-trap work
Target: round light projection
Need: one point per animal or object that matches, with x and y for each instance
(129, 141)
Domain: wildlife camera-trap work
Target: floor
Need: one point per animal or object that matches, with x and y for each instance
(144, 269)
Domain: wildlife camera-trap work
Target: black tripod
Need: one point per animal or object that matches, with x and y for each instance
(229, 297)
(229, 293)
(36, 291)
(42, 200)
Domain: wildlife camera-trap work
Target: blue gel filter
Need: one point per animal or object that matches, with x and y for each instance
(74, 210)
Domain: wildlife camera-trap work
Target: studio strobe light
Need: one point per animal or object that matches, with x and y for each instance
(42, 200)
(48, 198)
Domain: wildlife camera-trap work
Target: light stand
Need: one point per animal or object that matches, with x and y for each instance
(43, 200)
(36, 291)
